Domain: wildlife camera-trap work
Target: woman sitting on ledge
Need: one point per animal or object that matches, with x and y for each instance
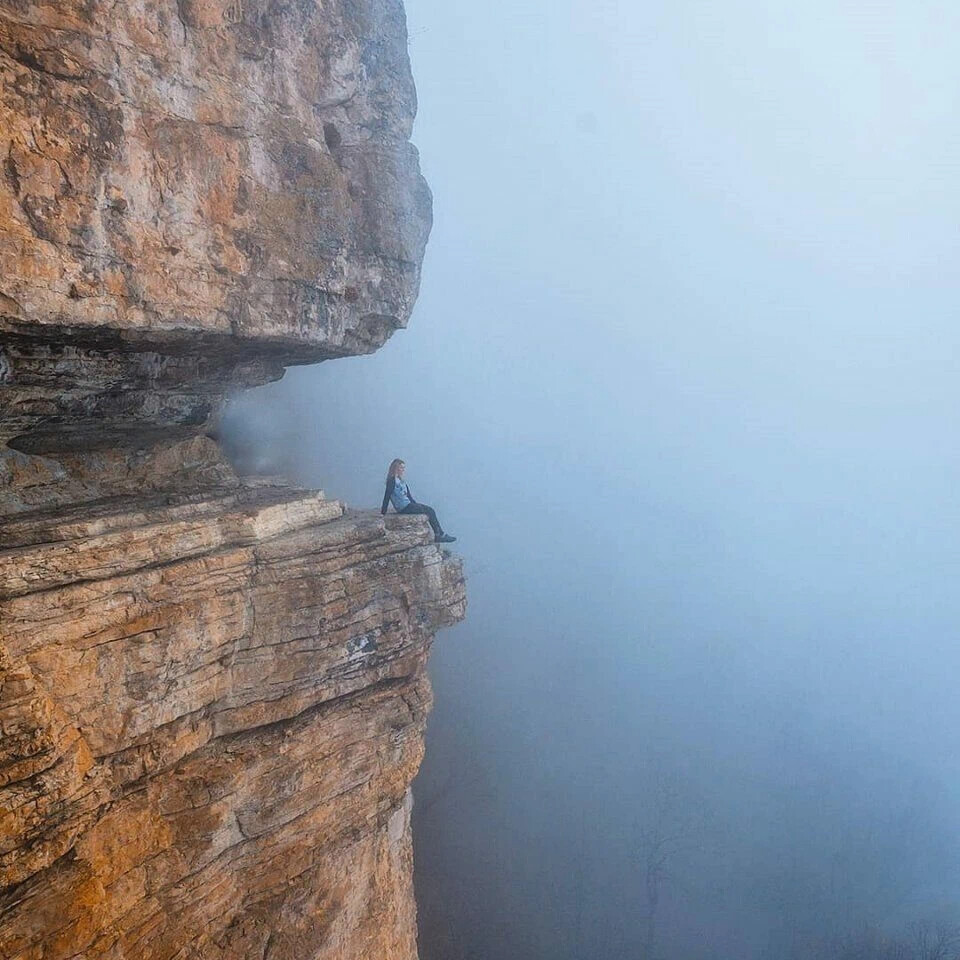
(398, 493)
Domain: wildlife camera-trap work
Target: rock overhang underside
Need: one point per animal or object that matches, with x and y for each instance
(194, 194)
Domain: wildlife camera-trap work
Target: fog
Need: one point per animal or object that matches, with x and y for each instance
(682, 378)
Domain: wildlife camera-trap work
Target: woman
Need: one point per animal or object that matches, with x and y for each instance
(398, 493)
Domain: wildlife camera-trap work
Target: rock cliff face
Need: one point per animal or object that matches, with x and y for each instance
(212, 690)
(195, 193)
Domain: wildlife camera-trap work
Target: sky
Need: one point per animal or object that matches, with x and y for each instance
(682, 378)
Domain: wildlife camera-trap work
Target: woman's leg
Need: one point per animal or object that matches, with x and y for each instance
(428, 512)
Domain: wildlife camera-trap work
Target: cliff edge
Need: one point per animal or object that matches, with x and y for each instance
(212, 690)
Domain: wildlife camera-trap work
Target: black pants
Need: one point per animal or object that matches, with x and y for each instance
(428, 512)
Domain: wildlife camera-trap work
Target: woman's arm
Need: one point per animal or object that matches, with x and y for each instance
(409, 494)
(391, 483)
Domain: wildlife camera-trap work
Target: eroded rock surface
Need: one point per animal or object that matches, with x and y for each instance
(212, 707)
(212, 691)
(194, 193)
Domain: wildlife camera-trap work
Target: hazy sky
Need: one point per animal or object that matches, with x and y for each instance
(683, 380)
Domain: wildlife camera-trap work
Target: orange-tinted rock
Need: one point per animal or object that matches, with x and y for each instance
(212, 691)
(195, 192)
(209, 735)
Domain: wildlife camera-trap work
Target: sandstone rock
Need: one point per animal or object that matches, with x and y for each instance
(194, 193)
(212, 710)
(212, 690)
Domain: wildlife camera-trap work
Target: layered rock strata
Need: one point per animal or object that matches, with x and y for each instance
(212, 691)
(212, 707)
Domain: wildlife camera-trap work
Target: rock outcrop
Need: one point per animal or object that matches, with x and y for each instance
(195, 193)
(212, 690)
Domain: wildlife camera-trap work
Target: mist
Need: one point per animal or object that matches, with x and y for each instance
(683, 380)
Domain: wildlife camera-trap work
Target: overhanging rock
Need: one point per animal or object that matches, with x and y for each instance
(212, 693)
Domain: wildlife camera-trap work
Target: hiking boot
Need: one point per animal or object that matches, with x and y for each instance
(445, 538)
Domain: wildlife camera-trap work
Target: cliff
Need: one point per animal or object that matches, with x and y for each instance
(195, 193)
(212, 690)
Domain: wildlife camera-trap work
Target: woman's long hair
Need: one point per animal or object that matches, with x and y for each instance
(392, 472)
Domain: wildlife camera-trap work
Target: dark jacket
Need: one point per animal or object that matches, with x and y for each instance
(388, 493)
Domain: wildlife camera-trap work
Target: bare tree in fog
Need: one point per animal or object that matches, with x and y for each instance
(940, 942)
(670, 823)
(922, 941)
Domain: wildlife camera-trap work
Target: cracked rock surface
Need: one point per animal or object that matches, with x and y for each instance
(212, 706)
(212, 690)
(194, 193)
